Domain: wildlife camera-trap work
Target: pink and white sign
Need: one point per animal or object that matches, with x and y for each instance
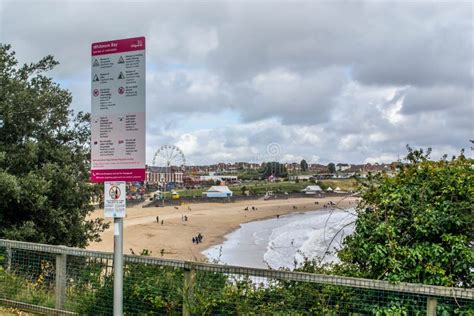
(118, 110)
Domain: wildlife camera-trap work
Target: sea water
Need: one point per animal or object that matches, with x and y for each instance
(285, 241)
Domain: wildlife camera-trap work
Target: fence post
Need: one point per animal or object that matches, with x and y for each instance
(60, 290)
(189, 279)
(9, 258)
(431, 303)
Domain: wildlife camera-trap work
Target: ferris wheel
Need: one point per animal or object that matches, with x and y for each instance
(169, 157)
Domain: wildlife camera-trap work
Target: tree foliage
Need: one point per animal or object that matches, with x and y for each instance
(331, 167)
(417, 226)
(273, 168)
(249, 174)
(44, 158)
(304, 165)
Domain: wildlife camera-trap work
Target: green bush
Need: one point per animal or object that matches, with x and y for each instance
(417, 225)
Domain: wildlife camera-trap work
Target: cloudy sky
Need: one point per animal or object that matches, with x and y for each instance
(341, 81)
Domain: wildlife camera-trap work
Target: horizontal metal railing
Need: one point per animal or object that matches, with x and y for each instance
(267, 273)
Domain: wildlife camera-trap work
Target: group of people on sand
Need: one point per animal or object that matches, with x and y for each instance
(158, 220)
(197, 239)
(177, 208)
(184, 218)
(330, 204)
(253, 208)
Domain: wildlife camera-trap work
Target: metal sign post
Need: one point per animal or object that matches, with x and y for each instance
(115, 206)
(118, 133)
(118, 266)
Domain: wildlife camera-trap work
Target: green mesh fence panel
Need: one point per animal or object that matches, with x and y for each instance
(48, 279)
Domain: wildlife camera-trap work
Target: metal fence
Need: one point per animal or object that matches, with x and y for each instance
(58, 280)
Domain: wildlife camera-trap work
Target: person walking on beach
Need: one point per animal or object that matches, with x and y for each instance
(157, 219)
(278, 216)
(161, 222)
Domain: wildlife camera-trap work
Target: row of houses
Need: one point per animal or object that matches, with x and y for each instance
(227, 173)
(222, 168)
(294, 167)
(159, 175)
(221, 178)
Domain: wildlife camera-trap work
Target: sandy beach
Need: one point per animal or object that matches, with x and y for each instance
(212, 220)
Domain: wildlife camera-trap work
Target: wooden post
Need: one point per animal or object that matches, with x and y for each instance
(189, 279)
(9, 258)
(60, 291)
(431, 303)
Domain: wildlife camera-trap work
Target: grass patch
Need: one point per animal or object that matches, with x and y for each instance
(261, 187)
(18, 288)
(10, 311)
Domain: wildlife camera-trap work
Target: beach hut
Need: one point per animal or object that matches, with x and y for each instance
(221, 191)
(338, 190)
(329, 189)
(312, 189)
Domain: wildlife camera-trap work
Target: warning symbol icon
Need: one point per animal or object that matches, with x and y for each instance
(121, 61)
(95, 63)
(96, 78)
(121, 76)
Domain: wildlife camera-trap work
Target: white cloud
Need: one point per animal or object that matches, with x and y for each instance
(377, 137)
(383, 158)
(188, 144)
(391, 110)
(349, 142)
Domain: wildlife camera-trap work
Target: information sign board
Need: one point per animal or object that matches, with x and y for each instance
(118, 110)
